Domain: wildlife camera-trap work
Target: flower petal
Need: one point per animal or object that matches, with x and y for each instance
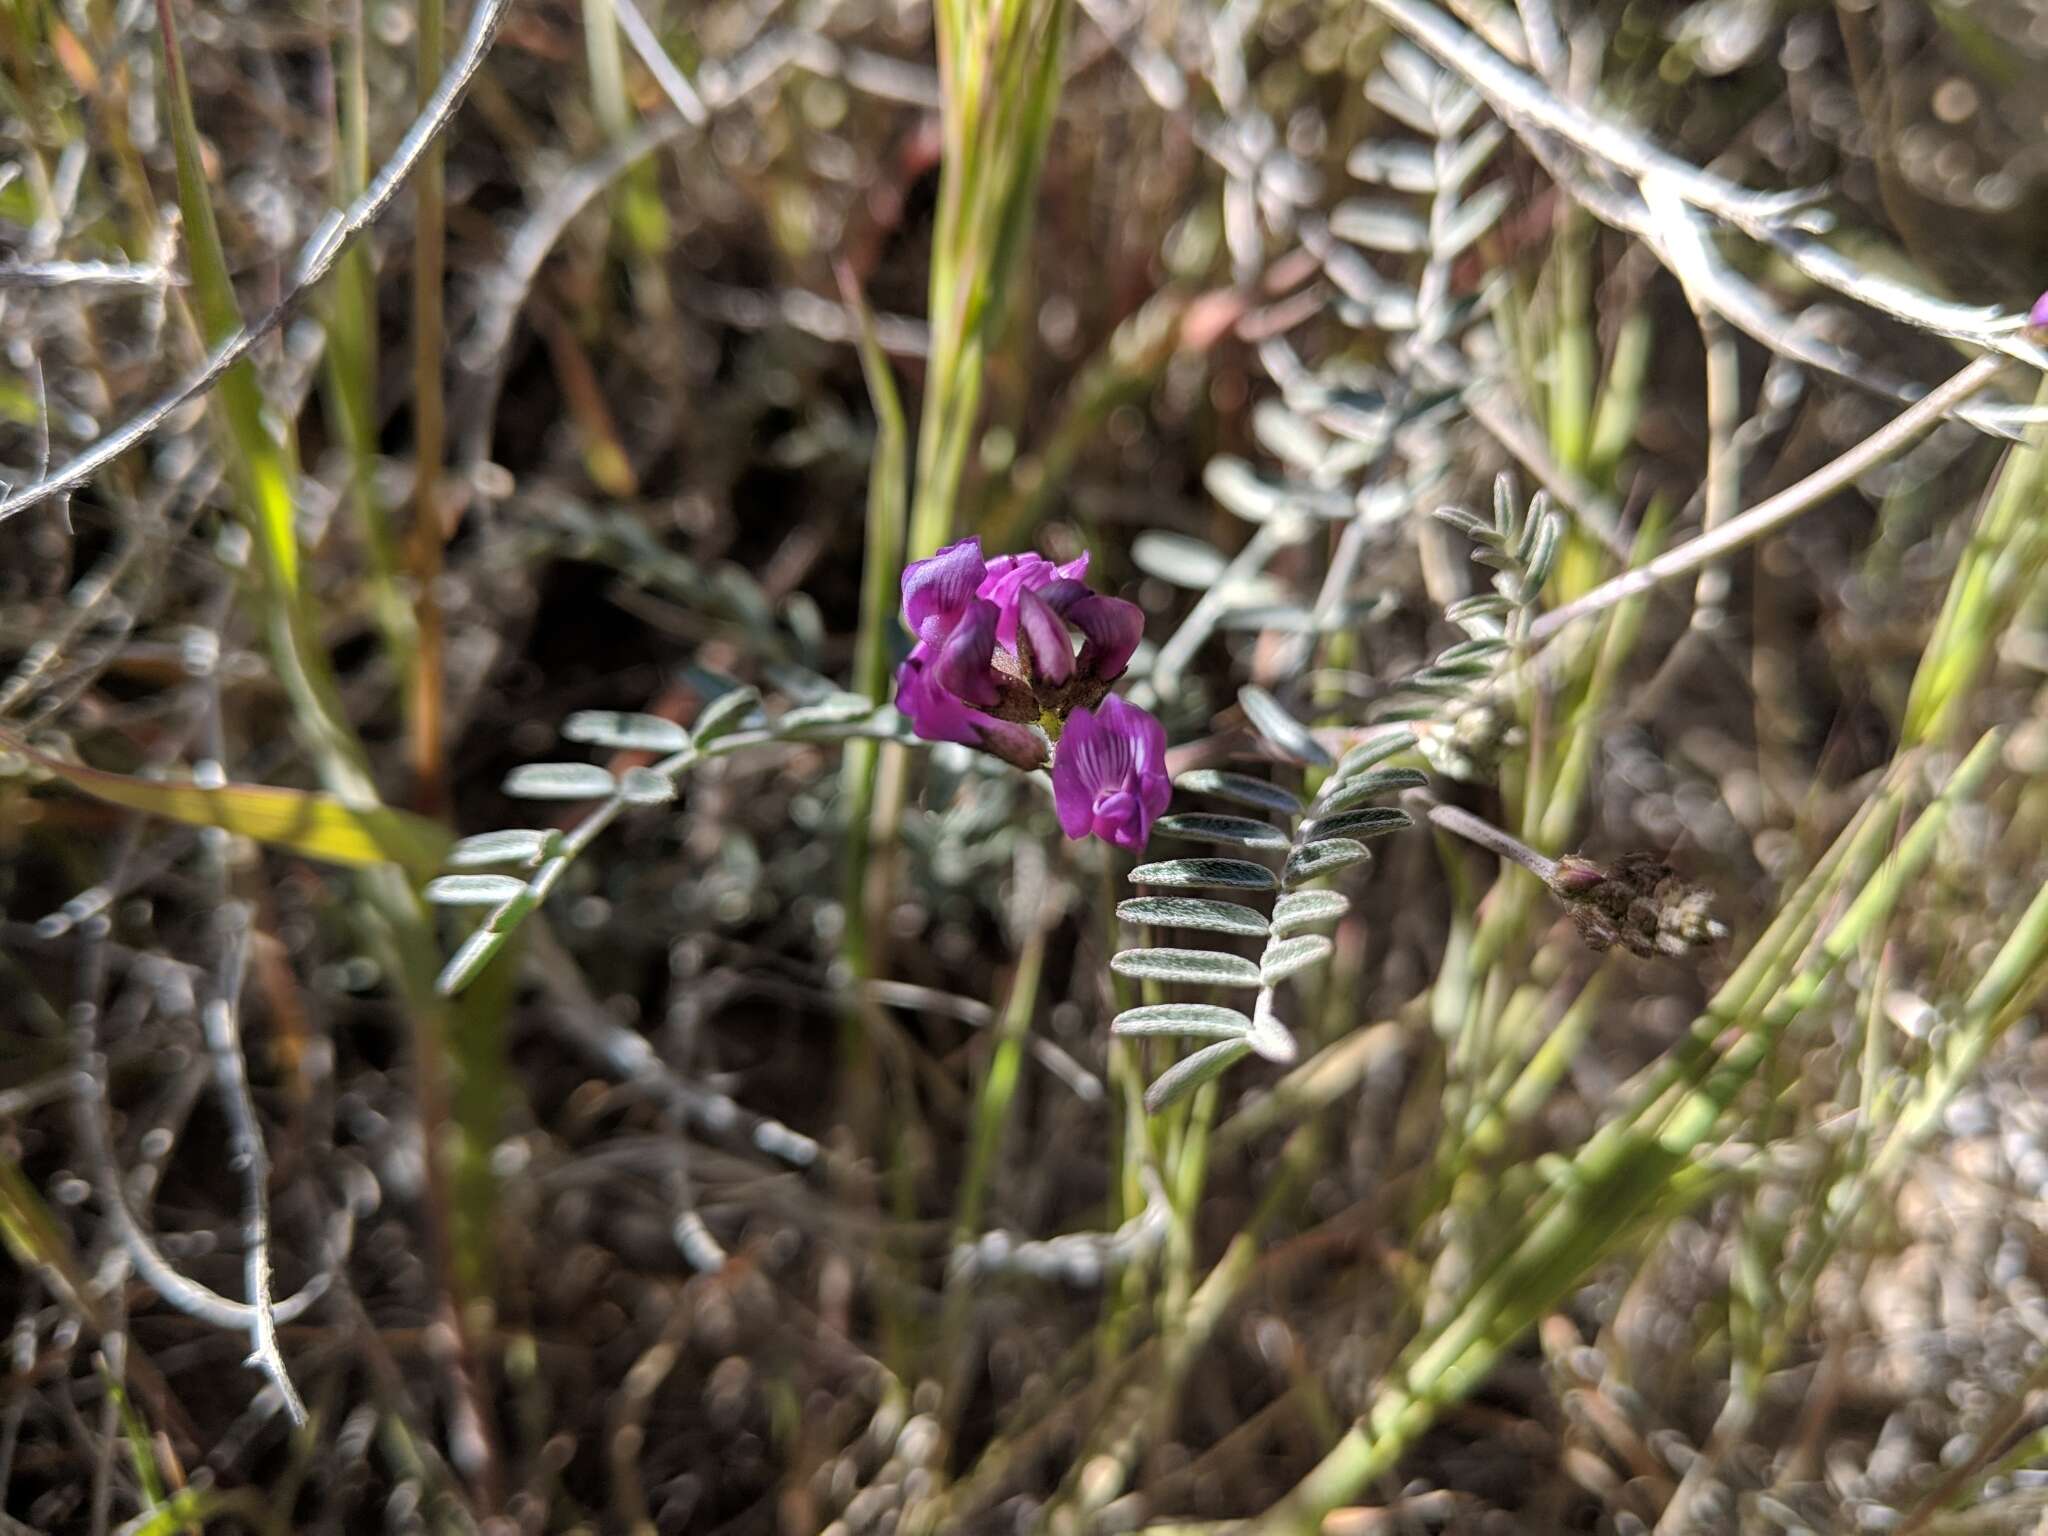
(1061, 595)
(1155, 789)
(938, 715)
(935, 590)
(1109, 775)
(1111, 629)
(1147, 737)
(1105, 759)
(1018, 745)
(1073, 795)
(1120, 819)
(934, 714)
(962, 662)
(1042, 641)
(1008, 578)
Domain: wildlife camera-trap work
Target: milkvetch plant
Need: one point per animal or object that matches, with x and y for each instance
(1117, 1193)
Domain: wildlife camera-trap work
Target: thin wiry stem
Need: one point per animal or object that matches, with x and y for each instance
(1775, 511)
(674, 84)
(1764, 216)
(316, 260)
(426, 688)
(83, 274)
(1484, 833)
(484, 353)
(247, 1156)
(42, 394)
(188, 1296)
(1724, 459)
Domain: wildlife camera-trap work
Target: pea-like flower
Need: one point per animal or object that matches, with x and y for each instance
(996, 645)
(1109, 778)
(996, 667)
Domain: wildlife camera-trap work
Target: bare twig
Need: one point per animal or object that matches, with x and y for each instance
(37, 1091)
(755, 309)
(576, 1015)
(1680, 244)
(188, 1296)
(316, 259)
(247, 1156)
(1780, 509)
(1723, 486)
(1545, 40)
(719, 86)
(1081, 1259)
(976, 1014)
(674, 84)
(1764, 216)
(83, 274)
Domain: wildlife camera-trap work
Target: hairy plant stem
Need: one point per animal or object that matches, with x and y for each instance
(1484, 833)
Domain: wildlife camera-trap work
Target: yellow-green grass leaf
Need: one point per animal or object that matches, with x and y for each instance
(302, 821)
(262, 467)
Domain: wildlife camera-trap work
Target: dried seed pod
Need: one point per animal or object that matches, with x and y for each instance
(1637, 901)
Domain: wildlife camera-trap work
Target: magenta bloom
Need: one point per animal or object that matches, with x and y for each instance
(937, 591)
(2037, 317)
(1009, 577)
(995, 650)
(1109, 776)
(938, 714)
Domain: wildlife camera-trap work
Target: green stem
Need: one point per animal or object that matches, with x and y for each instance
(1618, 1180)
(428, 433)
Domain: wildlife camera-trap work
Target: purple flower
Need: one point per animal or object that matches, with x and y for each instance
(1009, 577)
(1109, 775)
(937, 590)
(995, 646)
(2037, 317)
(937, 714)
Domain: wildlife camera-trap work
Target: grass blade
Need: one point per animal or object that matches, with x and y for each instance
(319, 826)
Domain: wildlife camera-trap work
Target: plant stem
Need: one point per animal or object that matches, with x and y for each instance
(1620, 1179)
(426, 696)
(1775, 511)
(1464, 824)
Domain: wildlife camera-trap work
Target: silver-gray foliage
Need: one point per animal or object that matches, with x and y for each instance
(1312, 840)
(732, 720)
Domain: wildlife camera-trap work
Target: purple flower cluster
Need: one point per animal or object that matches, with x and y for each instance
(995, 667)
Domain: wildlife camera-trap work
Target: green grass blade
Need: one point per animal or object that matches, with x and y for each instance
(262, 466)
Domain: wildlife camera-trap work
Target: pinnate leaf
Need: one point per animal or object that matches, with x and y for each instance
(1240, 789)
(1194, 967)
(1239, 831)
(1212, 874)
(1195, 1020)
(1193, 912)
(1190, 1072)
